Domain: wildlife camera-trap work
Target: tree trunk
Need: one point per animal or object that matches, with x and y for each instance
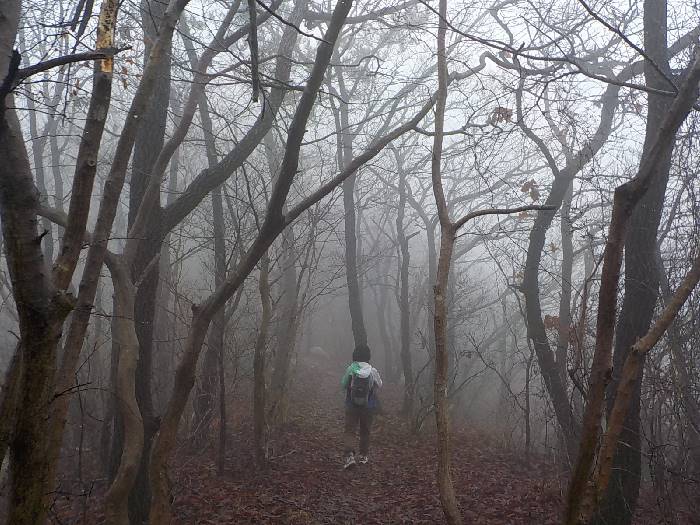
(641, 279)
(630, 376)
(40, 308)
(117, 429)
(404, 306)
(149, 142)
(49, 443)
(381, 299)
(432, 272)
(109, 204)
(117, 496)
(8, 406)
(528, 378)
(444, 477)
(218, 329)
(203, 402)
(165, 321)
(259, 423)
(447, 240)
(551, 370)
(221, 456)
(567, 262)
(39, 462)
(344, 155)
(287, 327)
(627, 196)
(554, 382)
(430, 326)
(271, 227)
(287, 324)
(354, 293)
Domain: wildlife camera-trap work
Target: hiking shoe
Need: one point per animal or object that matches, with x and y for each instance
(362, 460)
(349, 461)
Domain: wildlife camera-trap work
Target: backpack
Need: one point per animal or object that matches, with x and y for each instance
(360, 388)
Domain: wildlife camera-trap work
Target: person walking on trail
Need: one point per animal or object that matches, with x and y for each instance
(361, 382)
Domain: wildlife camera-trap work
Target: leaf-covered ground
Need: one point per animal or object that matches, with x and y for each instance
(305, 483)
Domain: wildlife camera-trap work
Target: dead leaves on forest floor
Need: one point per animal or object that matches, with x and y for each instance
(305, 484)
(397, 486)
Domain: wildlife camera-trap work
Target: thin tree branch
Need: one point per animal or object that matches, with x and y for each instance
(630, 43)
(368, 17)
(288, 23)
(28, 71)
(502, 46)
(499, 211)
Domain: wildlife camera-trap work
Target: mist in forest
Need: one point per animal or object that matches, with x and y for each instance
(407, 261)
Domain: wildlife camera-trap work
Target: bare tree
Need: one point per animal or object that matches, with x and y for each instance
(627, 196)
(448, 233)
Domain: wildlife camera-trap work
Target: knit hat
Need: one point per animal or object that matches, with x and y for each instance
(361, 353)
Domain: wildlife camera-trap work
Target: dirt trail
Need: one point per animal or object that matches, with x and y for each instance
(306, 485)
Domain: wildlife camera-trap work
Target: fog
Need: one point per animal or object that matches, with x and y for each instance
(214, 212)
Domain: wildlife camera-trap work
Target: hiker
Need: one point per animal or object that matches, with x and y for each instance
(360, 382)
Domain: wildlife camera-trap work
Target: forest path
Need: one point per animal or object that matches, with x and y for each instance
(305, 483)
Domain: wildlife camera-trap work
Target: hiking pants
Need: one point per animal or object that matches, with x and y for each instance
(354, 416)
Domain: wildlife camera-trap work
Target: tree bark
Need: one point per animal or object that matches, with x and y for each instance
(113, 453)
(218, 328)
(259, 423)
(287, 323)
(641, 279)
(359, 331)
(9, 401)
(381, 299)
(288, 326)
(41, 310)
(204, 401)
(149, 141)
(625, 394)
(626, 198)
(105, 217)
(271, 227)
(74, 233)
(404, 306)
(124, 334)
(447, 240)
(221, 455)
(354, 293)
(445, 485)
(567, 262)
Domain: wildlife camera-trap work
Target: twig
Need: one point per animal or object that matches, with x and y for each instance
(629, 43)
(287, 23)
